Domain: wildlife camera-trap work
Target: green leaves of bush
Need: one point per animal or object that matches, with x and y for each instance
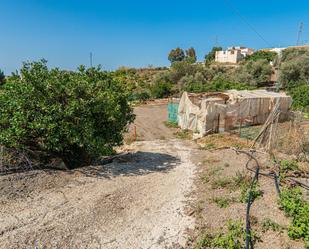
(292, 203)
(72, 115)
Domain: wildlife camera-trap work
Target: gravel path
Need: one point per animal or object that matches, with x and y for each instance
(137, 201)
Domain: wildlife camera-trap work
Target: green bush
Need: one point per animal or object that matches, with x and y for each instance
(72, 115)
(216, 85)
(293, 204)
(262, 55)
(161, 89)
(295, 72)
(300, 96)
(253, 72)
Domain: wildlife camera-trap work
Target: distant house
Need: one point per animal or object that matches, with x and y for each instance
(233, 54)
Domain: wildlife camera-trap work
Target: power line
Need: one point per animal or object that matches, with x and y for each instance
(300, 32)
(90, 59)
(228, 3)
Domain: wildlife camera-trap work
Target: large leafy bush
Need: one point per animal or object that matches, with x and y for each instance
(72, 115)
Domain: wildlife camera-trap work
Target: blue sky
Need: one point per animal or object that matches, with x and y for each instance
(139, 33)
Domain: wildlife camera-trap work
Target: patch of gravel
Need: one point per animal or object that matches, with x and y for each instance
(137, 202)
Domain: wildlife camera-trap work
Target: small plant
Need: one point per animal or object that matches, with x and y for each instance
(205, 179)
(268, 224)
(234, 238)
(287, 165)
(183, 134)
(223, 202)
(209, 146)
(222, 183)
(246, 192)
(241, 179)
(170, 124)
(293, 204)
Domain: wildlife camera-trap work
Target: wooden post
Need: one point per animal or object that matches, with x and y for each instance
(135, 134)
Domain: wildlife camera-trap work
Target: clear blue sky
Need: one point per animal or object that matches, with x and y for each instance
(138, 33)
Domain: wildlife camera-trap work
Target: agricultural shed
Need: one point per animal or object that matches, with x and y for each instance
(218, 112)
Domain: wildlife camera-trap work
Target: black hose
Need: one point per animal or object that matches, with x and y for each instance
(273, 175)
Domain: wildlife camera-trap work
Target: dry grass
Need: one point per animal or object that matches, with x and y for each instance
(223, 140)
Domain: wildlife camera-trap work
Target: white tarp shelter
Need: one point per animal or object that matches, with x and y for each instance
(218, 112)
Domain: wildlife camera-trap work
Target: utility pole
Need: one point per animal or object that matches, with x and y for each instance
(300, 32)
(90, 59)
(216, 42)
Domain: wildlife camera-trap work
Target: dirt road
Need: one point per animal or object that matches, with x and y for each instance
(137, 201)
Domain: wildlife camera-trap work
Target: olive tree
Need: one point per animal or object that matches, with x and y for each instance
(295, 71)
(75, 116)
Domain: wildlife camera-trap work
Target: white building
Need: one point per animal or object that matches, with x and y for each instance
(233, 54)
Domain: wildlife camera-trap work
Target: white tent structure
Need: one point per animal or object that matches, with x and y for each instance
(218, 112)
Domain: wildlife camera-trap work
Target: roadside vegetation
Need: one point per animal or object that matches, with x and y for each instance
(76, 116)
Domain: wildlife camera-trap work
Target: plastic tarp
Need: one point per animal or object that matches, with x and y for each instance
(172, 112)
(214, 114)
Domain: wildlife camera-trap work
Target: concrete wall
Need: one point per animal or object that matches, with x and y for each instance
(228, 56)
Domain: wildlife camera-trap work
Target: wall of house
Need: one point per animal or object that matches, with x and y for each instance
(228, 56)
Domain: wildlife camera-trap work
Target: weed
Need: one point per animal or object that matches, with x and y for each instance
(221, 183)
(268, 224)
(293, 204)
(183, 134)
(234, 238)
(170, 124)
(241, 179)
(226, 165)
(209, 146)
(287, 165)
(223, 202)
(246, 191)
(206, 179)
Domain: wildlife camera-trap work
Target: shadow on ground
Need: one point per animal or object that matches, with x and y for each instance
(139, 163)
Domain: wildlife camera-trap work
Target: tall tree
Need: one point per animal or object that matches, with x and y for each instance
(176, 55)
(212, 54)
(191, 55)
(2, 77)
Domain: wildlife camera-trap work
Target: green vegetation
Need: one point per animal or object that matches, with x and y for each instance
(267, 224)
(262, 55)
(246, 192)
(253, 72)
(176, 54)
(300, 95)
(183, 134)
(191, 55)
(75, 116)
(170, 124)
(2, 77)
(223, 202)
(234, 238)
(222, 182)
(288, 165)
(293, 204)
(210, 57)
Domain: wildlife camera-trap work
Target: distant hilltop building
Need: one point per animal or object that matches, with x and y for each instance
(279, 50)
(233, 54)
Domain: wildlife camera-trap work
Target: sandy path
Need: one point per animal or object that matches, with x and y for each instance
(137, 202)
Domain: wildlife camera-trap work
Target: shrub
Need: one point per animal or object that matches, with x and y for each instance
(161, 89)
(253, 72)
(300, 96)
(72, 115)
(295, 72)
(262, 55)
(293, 204)
(246, 192)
